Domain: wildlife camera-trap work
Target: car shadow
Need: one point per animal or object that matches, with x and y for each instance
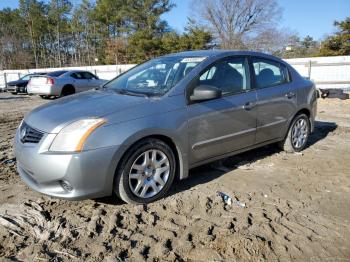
(212, 171)
(322, 129)
(14, 98)
(209, 172)
(110, 200)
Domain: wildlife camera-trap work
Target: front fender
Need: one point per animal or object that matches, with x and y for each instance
(172, 125)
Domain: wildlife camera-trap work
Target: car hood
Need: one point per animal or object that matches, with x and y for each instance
(17, 82)
(51, 117)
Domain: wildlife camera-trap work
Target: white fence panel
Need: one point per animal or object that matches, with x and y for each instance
(104, 72)
(326, 72)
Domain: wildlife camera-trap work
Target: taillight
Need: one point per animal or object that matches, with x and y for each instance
(50, 81)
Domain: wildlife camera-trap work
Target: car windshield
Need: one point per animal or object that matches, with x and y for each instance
(154, 77)
(26, 77)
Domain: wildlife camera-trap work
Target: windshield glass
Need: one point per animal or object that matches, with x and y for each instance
(26, 77)
(156, 76)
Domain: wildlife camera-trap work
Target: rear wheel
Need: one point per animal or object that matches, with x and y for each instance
(146, 172)
(67, 90)
(298, 134)
(44, 97)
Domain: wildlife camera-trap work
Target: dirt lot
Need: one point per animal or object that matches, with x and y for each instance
(297, 206)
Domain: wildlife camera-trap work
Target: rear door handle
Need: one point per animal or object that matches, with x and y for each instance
(248, 106)
(290, 95)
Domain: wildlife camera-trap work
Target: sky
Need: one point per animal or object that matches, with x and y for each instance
(305, 17)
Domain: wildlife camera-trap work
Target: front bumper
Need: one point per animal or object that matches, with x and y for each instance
(12, 89)
(90, 173)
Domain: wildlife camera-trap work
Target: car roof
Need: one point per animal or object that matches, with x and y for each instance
(77, 71)
(57, 73)
(207, 53)
(216, 52)
(37, 73)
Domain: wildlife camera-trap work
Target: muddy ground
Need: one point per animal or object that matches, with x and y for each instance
(297, 206)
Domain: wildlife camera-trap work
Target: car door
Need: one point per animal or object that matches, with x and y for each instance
(226, 124)
(92, 80)
(80, 83)
(276, 100)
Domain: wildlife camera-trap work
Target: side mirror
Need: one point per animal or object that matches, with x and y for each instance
(205, 92)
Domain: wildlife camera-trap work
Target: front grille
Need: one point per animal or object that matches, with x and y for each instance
(11, 87)
(29, 134)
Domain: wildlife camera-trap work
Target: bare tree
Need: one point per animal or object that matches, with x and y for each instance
(232, 21)
(270, 40)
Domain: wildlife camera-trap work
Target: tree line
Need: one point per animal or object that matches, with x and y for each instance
(55, 33)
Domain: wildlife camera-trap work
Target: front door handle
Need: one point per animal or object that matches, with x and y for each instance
(248, 106)
(290, 95)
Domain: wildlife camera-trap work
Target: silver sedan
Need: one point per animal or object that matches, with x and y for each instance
(63, 83)
(153, 123)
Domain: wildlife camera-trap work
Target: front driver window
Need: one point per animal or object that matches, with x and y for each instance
(88, 75)
(230, 76)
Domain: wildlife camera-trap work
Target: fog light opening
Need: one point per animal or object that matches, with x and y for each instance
(66, 185)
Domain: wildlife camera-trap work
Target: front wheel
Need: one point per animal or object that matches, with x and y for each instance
(146, 172)
(298, 134)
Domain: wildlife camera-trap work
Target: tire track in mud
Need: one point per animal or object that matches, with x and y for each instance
(136, 233)
(167, 231)
(8, 126)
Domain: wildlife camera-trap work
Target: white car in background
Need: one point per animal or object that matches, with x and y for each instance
(63, 83)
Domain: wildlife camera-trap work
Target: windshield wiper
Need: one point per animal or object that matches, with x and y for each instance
(131, 93)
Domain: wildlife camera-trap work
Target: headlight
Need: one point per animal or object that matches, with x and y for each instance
(72, 137)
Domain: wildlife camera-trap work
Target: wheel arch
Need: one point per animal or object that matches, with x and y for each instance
(309, 115)
(181, 170)
(68, 86)
(303, 110)
(174, 148)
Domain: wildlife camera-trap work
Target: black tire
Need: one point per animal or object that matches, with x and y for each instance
(121, 180)
(14, 93)
(67, 90)
(287, 144)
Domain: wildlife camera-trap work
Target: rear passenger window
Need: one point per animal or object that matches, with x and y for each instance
(77, 75)
(269, 73)
(230, 76)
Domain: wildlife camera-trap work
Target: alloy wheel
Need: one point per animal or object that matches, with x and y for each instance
(149, 173)
(300, 132)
